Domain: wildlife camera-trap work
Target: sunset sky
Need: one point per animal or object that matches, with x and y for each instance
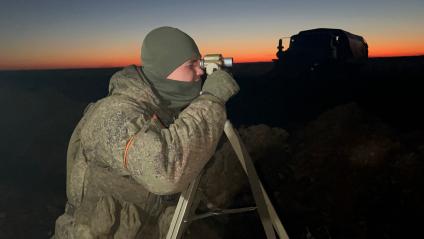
(47, 34)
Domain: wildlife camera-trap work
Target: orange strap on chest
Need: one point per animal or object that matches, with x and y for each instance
(131, 140)
(127, 147)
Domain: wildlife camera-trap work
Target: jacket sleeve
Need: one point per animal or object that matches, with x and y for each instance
(166, 160)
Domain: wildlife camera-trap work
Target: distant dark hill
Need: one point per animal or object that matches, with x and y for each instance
(285, 96)
(77, 84)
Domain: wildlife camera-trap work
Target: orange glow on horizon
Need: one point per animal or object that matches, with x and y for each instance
(395, 47)
(394, 53)
(120, 61)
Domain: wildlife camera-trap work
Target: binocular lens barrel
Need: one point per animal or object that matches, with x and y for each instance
(227, 62)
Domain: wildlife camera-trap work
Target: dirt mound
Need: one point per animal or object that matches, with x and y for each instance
(352, 176)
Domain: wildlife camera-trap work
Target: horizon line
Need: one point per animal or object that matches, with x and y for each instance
(121, 66)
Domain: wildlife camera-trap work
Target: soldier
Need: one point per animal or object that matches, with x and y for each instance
(143, 143)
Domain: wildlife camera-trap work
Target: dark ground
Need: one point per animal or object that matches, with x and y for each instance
(353, 168)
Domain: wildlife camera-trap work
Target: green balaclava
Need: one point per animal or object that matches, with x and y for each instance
(164, 49)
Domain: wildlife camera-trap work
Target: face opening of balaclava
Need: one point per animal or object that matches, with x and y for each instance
(164, 49)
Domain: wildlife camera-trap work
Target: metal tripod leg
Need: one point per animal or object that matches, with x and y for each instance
(182, 210)
(266, 210)
(267, 213)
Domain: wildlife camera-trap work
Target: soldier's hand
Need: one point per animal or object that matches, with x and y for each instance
(221, 84)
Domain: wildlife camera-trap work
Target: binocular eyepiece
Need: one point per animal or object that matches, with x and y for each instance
(213, 62)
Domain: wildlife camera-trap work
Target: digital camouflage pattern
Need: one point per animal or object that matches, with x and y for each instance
(165, 150)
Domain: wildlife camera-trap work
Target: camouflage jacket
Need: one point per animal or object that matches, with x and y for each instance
(127, 149)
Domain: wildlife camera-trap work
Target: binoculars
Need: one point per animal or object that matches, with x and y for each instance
(213, 62)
